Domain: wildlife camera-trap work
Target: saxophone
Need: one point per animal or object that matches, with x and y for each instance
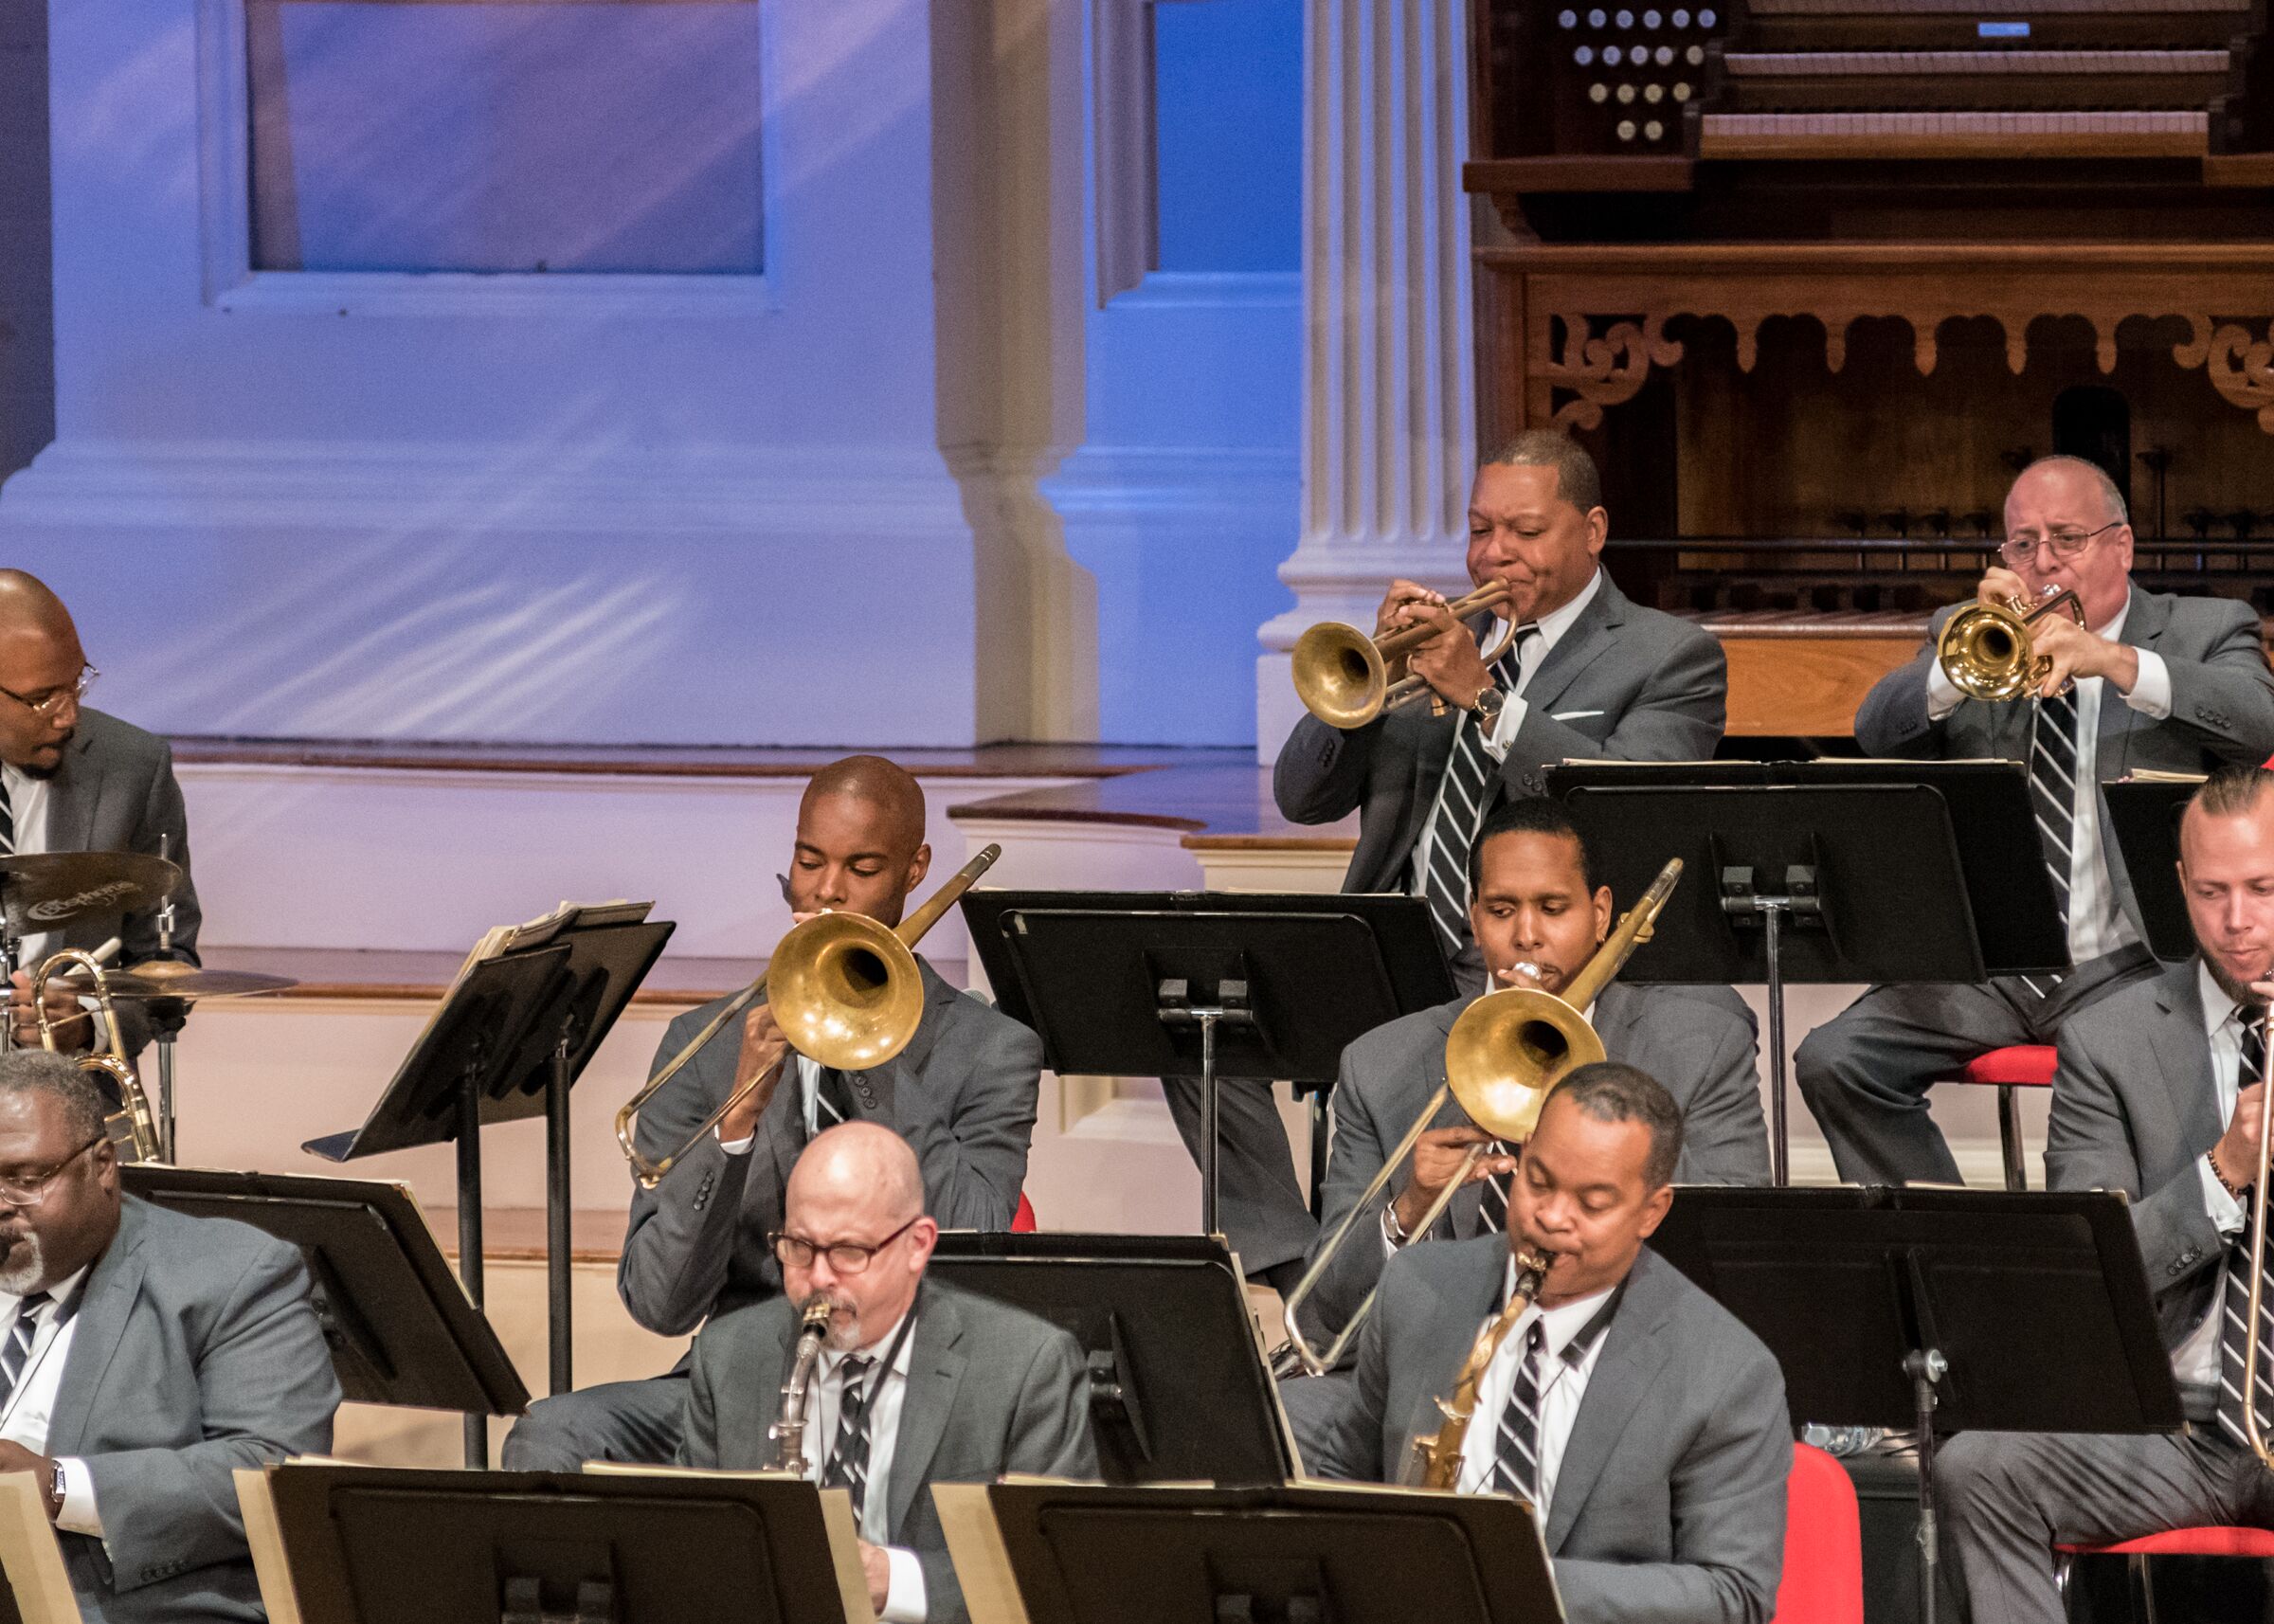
(1437, 1460)
(789, 1431)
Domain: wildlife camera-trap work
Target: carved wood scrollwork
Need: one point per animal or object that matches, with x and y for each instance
(2241, 368)
(1609, 369)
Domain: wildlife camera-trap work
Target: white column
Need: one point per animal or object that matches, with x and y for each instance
(1389, 421)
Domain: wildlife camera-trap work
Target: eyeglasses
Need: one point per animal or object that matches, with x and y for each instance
(845, 1256)
(29, 1190)
(49, 703)
(2061, 542)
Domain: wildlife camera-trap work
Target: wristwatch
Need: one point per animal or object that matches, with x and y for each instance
(58, 1487)
(1487, 707)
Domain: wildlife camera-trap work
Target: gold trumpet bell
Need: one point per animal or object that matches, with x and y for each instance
(1339, 675)
(1508, 1051)
(1984, 650)
(845, 992)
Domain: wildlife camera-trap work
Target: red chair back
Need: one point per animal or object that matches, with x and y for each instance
(1023, 1221)
(1823, 1579)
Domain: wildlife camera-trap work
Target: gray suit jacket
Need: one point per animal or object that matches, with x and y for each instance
(194, 1352)
(2222, 706)
(1693, 1042)
(2136, 1109)
(1670, 1503)
(115, 791)
(962, 1094)
(1635, 685)
(990, 1390)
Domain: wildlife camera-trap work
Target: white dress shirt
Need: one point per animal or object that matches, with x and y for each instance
(2196, 1361)
(32, 1406)
(2096, 924)
(1562, 1387)
(1530, 655)
(905, 1601)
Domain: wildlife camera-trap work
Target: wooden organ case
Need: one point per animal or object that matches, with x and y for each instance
(1812, 277)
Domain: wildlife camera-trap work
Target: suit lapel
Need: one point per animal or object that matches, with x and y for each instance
(935, 1371)
(1633, 1352)
(1463, 1213)
(2196, 1089)
(1590, 635)
(1447, 1337)
(109, 1296)
(73, 794)
(2145, 621)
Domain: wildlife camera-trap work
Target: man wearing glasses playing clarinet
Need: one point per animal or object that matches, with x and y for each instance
(2138, 681)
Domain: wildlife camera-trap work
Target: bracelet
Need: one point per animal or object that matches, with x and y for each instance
(2234, 1190)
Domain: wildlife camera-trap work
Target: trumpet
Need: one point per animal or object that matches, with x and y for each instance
(1436, 1459)
(1504, 1057)
(1985, 648)
(133, 1129)
(1343, 676)
(2253, 1430)
(844, 990)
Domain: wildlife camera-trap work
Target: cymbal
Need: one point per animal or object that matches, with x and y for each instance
(48, 889)
(170, 978)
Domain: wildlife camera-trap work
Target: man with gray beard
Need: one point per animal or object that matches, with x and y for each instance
(144, 1357)
(918, 1382)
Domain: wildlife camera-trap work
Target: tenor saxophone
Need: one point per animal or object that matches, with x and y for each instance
(789, 1431)
(1436, 1461)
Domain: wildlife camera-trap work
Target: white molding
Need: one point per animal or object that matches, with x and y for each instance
(494, 488)
(1124, 159)
(224, 212)
(1214, 290)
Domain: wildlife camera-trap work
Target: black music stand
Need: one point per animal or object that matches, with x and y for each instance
(1824, 872)
(2144, 814)
(374, 1545)
(1944, 1309)
(509, 1041)
(399, 1328)
(1049, 1553)
(1178, 1392)
(1188, 983)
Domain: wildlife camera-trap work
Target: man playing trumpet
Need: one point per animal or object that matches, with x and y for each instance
(1585, 673)
(2179, 684)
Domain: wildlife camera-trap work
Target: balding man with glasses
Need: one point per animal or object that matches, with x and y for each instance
(2148, 680)
(73, 779)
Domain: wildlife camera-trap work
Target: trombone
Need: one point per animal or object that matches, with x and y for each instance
(1504, 1055)
(133, 1129)
(844, 990)
(1985, 648)
(2253, 1432)
(1343, 676)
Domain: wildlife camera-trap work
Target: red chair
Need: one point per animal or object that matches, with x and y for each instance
(1823, 1581)
(2023, 1066)
(2257, 1543)
(1023, 1221)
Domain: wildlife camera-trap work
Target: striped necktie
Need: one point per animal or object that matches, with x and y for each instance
(8, 822)
(849, 1463)
(2053, 799)
(832, 1098)
(1492, 1198)
(1516, 1456)
(1461, 807)
(16, 1353)
(2236, 1288)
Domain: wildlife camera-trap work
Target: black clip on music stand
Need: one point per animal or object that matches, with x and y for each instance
(537, 1548)
(1178, 1392)
(1949, 1310)
(1304, 1554)
(509, 1041)
(399, 1329)
(1203, 984)
(1824, 872)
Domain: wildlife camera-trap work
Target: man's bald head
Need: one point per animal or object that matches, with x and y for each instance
(40, 665)
(863, 1166)
(860, 839)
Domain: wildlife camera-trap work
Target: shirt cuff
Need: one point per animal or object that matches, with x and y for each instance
(2225, 1212)
(79, 1515)
(1943, 695)
(739, 1146)
(2151, 693)
(904, 1599)
(1503, 731)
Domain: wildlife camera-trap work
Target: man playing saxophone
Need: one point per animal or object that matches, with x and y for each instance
(1643, 1423)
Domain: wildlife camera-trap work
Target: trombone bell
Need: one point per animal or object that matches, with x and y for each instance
(845, 992)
